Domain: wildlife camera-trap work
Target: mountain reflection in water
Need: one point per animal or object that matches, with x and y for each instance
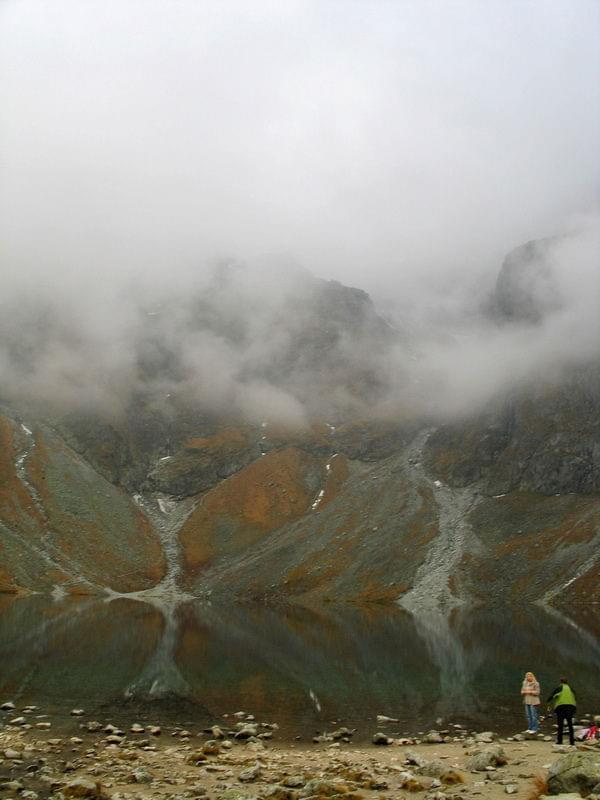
(301, 668)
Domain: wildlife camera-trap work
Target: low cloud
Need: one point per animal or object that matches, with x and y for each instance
(151, 153)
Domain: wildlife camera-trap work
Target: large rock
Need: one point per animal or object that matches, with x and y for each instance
(83, 787)
(575, 772)
(526, 289)
(492, 757)
(324, 788)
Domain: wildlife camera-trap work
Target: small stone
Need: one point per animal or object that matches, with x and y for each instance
(11, 786)
(77, 712)
(93, 726)
(137, 728)
(18, 721)
(381, 739)
(415, 759)
(43, 726)
(140, 776)
(294, 781)
(486, 737)
(511, 788)
(7, 706)
(255, 745)
(235, 794)
(246, 731)
(114, 739)
(83, 787)
(249, 775)
(433, 737)
(481, 761)
(196, 759)
(324, 788)
(154, 730)
(12, 754)
(113, 729)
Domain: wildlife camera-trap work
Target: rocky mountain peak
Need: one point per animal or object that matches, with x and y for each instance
(526, 288)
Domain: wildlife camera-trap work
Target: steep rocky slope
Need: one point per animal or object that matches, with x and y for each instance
(62, 525)
(501, 506)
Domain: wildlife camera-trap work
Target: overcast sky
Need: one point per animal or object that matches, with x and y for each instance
(374, 142)
(403, 147)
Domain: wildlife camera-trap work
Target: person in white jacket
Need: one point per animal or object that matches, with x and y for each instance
(530, 691)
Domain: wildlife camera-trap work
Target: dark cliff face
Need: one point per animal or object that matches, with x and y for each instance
(526, 289)
(545, 441)
(500, 506)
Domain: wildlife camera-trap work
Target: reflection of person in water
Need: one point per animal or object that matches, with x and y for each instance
(564, 703)
(530, 691)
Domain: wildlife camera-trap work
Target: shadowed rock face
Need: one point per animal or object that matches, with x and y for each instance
(545, 441)
(202, 462)
(526, 289)
(501, 506)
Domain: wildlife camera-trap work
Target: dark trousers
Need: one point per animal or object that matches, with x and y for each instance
(564, 713)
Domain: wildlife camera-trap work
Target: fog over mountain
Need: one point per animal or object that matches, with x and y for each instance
(178, 179)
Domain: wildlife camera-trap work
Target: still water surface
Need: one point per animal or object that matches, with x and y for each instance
(127, 660)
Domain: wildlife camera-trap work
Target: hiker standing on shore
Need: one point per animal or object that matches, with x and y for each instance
(530, 691)
(564, 703)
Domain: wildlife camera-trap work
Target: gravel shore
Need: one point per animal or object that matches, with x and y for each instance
(242, 758)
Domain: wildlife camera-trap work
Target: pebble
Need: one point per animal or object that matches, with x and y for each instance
(250, 774)
(140, 776)
(137, 728)
(11, 786)
(82, 787)
(381, 739)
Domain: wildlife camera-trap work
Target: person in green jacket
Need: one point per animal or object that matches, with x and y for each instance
(564, 703)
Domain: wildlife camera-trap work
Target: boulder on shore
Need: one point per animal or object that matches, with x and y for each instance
(492, 757)
(575, 772)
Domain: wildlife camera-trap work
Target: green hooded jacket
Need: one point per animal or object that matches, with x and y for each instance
(563, 696)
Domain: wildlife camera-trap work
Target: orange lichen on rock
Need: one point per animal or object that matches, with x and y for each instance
(228, 438)
(239, 511)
